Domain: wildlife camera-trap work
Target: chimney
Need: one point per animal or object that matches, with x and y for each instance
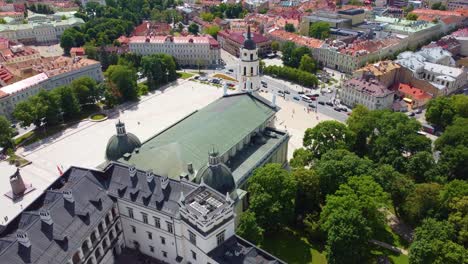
(23, 238)
(149, 176)
(132, 170)
(68, 195)
(190, 168)
(164, 182)
(45, 216)
(17, 184)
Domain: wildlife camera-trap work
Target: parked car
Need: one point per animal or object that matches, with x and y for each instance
(300, 92)
(411, 114)
(197, 77)
(263, 82)
(344, 109)
(296, 98)
(329, 103)
(280, 92)
(286, 92)
(419, 111)
(313, 98)
(321, 102)
(338, 109)
(311, 105)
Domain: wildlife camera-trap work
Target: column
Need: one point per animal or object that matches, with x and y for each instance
(110, 216)
(118, 249)
(80, 254)
(89, 243)
(93, 259)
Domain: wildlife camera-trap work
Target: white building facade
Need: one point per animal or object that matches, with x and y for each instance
(200, 51)
(249, 65)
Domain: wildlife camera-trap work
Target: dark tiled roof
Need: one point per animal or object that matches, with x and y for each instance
(93, 192)
(236, 250)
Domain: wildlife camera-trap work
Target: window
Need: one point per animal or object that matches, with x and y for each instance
(163, 240)
(157, 222)
(151, 249)
(133, 229)
(144, 217)
(164, 254)
(251, 57)
(130, 212)
(245, 71)
(220, 238)
(194, 255)
(150, 235)
(170, 228)
(192, 237)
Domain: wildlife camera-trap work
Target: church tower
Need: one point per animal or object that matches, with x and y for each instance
(249, 65)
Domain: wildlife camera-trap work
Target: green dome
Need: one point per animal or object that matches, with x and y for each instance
(121, 143)
(216, 175)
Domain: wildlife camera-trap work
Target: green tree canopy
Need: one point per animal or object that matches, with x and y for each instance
(85, 89)
(336, 166)
(308, 197)
(159, 69)
(289, 27)
(307, 64)
(443, 110)
(249, 229)
(6, 132)
(412, 16)
(319, 30)
(207, 16)
(421, 203)
(212, 30)
(328, 135)
(193, 28)
(275, 46)
(272, 191)
(121, 80)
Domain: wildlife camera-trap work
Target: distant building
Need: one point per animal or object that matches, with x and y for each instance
(40, 29)
(386, 72)
(13, 52)
(49, 75)
(188, 50)
(150, 28)
(462, 37)
(233, 41)
(446, 79)
(368, 92)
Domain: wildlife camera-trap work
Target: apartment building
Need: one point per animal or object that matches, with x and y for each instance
(368, 92)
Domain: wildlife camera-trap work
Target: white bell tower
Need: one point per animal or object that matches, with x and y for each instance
(249, 65)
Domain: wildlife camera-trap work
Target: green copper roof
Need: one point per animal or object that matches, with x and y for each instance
(221, 124)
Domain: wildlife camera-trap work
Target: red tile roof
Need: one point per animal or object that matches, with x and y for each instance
(239, 37)
(299, 40)
(413, 92)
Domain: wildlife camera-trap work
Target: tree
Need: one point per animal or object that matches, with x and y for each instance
(459, 218)
(350, 218)
(193, 28)
(158, 69)
(301, 158)
(421, 203)
(443, 110)
(307, 64)
(85, 89)
(438, 6)
(206, 16)
(319, 30)
(297, 55)
(412, 16)
(272, 190)
(275, 46)
(308, 197)
(67, 41)
(289, 27)
(212, 30)
(249, 229)
(362, 124)
(433, 244)
(420, 166)
(327, 135)
(6, 132)
(453, 145)
(68, 101)
(399, 186)
(287, 49)
(336, 166)
(122, 81)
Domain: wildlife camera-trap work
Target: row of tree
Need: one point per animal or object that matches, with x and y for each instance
(346, 178)
(301, 77)
(59, 104)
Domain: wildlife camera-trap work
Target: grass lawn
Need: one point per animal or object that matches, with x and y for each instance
(15, 159)
(225, 77)
(290, 246)
(97, 117)
(394, 257)
(184, 75)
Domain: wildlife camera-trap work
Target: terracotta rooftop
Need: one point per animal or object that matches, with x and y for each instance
(3, 94)
(436, 12)
(149, 27)
(299, 40)
(5, 75)
(362, 47)
(62, 65)
(239, 37)
(461, 32)
(380, 68)
(414, 92)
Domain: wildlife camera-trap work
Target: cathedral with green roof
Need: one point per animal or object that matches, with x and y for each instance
(219, 145)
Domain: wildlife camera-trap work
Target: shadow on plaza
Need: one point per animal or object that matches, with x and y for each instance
(50, 135)
(135, 257)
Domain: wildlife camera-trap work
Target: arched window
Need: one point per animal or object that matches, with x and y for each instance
(251, 57)
(245, 71)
